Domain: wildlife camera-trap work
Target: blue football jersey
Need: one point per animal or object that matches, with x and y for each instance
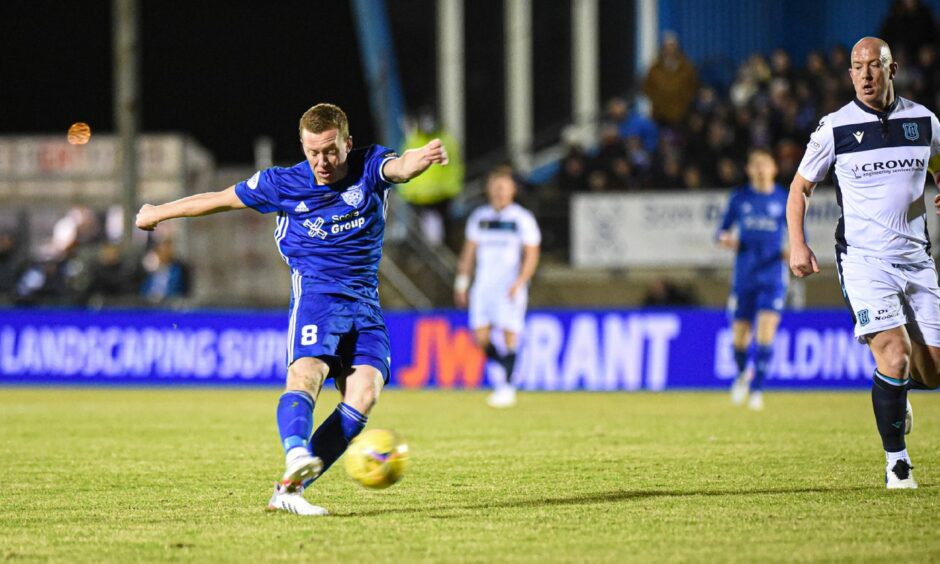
(330, 233)
(762, 227)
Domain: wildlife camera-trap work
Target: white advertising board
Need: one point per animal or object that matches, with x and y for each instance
(675, 229)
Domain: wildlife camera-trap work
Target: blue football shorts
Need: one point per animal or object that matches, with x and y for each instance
(745, 303)
(339, 330)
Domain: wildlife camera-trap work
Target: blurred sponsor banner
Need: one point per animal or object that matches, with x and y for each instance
(562, 350)
(39, 168)
(678, 228)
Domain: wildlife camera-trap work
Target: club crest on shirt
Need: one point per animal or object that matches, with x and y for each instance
(910, 131)
(862, 315)
(353, 195)
(774, 209)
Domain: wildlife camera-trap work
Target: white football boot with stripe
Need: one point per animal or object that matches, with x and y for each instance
(293, 501)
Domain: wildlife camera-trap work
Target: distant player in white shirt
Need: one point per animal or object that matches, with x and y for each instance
(880, 148)
(503, 240)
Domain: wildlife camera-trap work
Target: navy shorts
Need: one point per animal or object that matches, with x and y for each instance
(339, 330)
(744, 304)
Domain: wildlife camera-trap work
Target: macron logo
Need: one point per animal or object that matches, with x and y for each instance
(858, 135)
(301, 207)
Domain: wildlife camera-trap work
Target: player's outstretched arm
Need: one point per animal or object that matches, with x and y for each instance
(464, 268)
(802, 260)
(415, 161)
(191, 206)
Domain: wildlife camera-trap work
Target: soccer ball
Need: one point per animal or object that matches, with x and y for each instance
(377, 458)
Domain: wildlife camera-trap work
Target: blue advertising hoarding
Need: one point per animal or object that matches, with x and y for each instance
(561, 350)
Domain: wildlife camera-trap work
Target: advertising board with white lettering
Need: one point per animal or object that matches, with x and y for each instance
(562, 349)
(678, 228)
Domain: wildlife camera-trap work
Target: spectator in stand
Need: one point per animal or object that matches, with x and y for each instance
(908, 27)
(638, 123)
(671, 83)
(781, 66)
(926, 75)
(729, 174)
(432, 192)
(574, 171)
(692, 178)
(667, 174)
(112, 276)
(168, 276)
(12, 263)
(639, 159)
(598, 181)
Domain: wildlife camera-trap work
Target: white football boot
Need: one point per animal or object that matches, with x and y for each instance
(908, 419)
(503, 397)
(739, 389)
(899, 476)
(301, 467)
(756, 401)
(292, 501)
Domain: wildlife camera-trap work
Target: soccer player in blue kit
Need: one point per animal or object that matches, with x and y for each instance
(759, 286)
(330, 225)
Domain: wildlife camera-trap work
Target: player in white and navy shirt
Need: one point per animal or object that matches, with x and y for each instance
(502, 239)
(880, 148)
(330, 224)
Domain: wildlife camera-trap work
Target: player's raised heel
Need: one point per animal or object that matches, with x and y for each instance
(300, 470)
(293, 502)
(908, 419)
(900, 476)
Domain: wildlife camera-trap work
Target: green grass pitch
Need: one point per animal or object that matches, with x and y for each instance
(143, 475)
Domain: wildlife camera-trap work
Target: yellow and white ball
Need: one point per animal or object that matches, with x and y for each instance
(377, 458)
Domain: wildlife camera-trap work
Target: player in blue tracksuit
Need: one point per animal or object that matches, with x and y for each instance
(759, 285)
(330, 225)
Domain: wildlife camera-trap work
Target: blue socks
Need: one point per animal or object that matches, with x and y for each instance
(295, 419)
(761, 364)
(889, 400)
(333, 435)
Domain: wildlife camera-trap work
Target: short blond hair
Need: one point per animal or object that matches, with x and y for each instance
(324, 117)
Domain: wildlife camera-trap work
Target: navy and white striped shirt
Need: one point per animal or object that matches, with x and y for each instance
(879, 162)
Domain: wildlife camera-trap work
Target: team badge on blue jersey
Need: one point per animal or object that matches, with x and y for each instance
(910, 131)
(863, 317)
(353, 195)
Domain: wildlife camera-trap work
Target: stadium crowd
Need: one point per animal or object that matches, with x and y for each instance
(677, 131)
(81, 263)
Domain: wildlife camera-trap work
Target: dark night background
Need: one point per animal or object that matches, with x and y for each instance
(228, 72)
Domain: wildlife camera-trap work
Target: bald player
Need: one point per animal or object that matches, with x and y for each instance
(880, 148)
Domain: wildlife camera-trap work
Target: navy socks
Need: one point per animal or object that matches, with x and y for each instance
(333, 435)
(761, 365)
(889, 400)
